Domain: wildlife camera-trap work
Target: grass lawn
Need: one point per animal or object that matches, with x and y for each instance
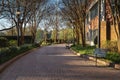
(83, 50)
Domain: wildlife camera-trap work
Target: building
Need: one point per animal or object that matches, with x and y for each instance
(107, 31)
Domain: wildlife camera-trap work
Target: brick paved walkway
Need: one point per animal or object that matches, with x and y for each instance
(56, 63)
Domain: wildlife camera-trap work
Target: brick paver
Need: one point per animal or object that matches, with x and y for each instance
(56, 63)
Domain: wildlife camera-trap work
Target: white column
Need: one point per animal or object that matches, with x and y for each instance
(103, 10)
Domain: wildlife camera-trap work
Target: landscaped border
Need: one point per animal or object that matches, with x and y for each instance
(8, 63)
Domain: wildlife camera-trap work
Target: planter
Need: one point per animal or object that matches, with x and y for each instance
(117, 66)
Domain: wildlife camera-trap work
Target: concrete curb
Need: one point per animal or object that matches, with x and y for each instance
(8, 63)
(105, 63)
(117, 66)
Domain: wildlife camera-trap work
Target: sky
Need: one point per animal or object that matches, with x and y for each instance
(4, 23)
(54, 1)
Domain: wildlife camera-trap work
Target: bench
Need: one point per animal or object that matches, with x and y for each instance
(100, 52)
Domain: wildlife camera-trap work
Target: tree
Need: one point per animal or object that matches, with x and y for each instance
(53, 18)
(66, 34)
(115, 12)
(1, 8)
(39, 35)
(75, 10)
(39, 11)
(20, 12)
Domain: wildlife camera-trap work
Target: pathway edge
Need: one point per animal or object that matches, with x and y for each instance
(8, 63)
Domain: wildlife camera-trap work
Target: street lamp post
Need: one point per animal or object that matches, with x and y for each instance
(18, 28)
(97, 51)
(99, 22)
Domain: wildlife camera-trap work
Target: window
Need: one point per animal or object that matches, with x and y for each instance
(94, 11)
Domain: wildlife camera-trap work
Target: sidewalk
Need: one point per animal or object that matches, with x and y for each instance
(56, 63)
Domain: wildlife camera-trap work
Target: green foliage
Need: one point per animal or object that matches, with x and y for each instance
(83, 50)
(114, 57)
(3, 42)
(110, 46)
(13, 49)
(66, 33)
(13, 43)
(3, 53)
(63, 34)
(37, 44)
(45, 44)
(53, 35)
(39, 35)
(25, 47)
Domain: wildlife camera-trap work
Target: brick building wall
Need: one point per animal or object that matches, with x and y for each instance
(113, 34)
(107, 29)
(103, 31)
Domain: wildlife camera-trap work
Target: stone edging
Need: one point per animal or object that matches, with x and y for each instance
(6, 64)
(117, 66)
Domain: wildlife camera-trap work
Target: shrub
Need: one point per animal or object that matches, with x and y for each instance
(114, 57)
(25, 47)
(110, 45)
(43, 43)
(3, 42)
(12, 51)
(4, 54)
(36, 44)
(13, 43)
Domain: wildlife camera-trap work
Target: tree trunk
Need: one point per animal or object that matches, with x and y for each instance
(33, 37)
(21, 35)
(118, 44)
(77, 38)
(55, 38)
(82, 37)
(45, 35)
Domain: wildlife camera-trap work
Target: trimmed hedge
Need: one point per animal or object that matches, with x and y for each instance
(114, 57)
(110, 46)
